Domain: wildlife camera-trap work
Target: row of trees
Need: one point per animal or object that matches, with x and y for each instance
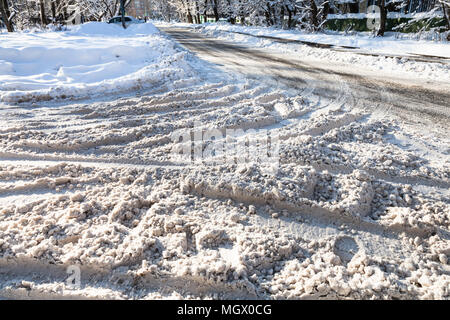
(310, 15)
(305, 14)
(21, 14)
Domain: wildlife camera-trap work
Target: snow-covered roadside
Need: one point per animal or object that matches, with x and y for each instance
(88, 60)
(365, 41)
(398, 66)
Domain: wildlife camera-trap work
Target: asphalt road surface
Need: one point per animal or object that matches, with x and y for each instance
(425, 102)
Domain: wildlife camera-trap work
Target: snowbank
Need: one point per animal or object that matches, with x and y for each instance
(93, 58)
(385, 45)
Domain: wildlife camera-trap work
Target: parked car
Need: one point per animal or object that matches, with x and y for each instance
(128, 20)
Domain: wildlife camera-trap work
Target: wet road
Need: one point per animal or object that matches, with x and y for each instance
(412, 100)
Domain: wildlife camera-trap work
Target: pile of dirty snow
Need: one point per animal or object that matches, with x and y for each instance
(350, 213)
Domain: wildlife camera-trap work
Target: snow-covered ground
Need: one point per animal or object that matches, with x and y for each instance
(88, 60)
(386, 54)
(357, 208)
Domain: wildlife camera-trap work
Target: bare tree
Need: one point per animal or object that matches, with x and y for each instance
(6, 15)
(383, 17)
(309, 15)
(42, 13)
(445, 4)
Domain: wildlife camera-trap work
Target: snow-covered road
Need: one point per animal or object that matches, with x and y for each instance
(358, 206)
(404, 95)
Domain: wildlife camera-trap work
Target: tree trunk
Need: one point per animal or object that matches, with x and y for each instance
(189, 17)
(115, 11)
(215, 10)
(273, 16)
(326, 10)
(313, 17)
(54, 11)
(407, 4)
(6, 14)
(289, 17)
(283, 23)
(42, 10)
(268, 17)
(122, 13)
(446, 11)
(197, 16)
(383, 16)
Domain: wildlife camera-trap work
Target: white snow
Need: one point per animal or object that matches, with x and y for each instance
(354, 211)
(90, 59)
